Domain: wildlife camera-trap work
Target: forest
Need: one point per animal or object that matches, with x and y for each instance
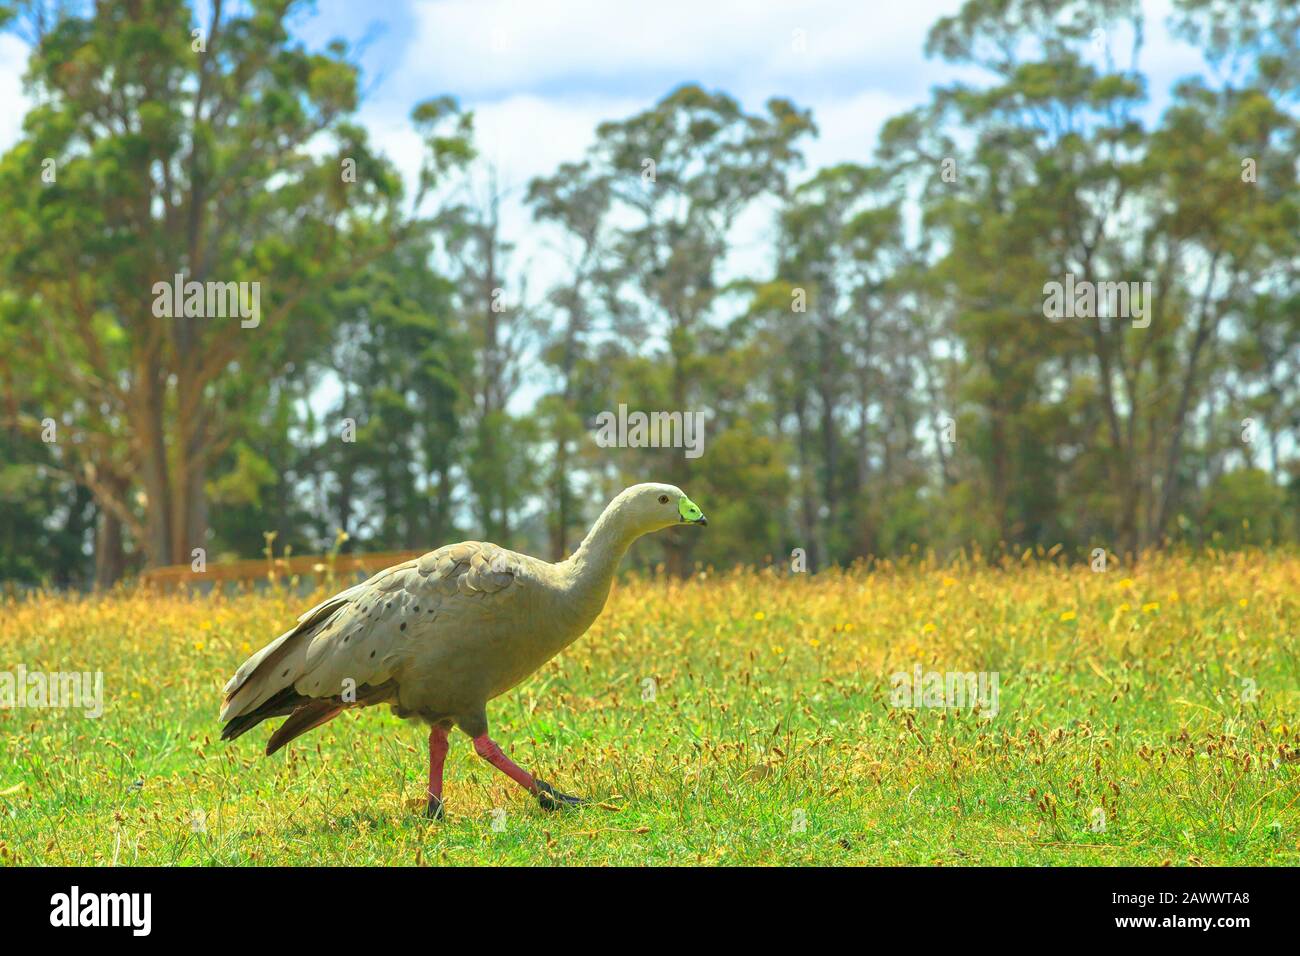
(1036, 314)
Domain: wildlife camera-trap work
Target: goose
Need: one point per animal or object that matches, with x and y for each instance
(439, 636)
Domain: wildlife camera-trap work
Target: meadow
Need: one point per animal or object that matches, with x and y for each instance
(1146, 715)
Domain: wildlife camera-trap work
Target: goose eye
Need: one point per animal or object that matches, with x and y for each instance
(663, 499)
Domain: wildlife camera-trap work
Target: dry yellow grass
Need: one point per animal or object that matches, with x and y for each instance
(1144, 716)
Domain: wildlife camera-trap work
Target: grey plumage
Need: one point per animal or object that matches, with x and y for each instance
(439, 636)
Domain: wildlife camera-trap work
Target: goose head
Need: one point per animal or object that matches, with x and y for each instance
(651, 507)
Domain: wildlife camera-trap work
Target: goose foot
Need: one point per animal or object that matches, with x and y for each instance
(548, 798)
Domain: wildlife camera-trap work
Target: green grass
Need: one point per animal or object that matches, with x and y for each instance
(1122, 693)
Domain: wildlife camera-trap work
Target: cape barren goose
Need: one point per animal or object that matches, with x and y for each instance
(440, 636)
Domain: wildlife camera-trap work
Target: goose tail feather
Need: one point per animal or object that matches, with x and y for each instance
(308, 716)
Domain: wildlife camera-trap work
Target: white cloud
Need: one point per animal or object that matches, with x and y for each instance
(1165, 59)
(485, 47)
(519, 137)
(848, 126)
(526, 135)
(541, 77)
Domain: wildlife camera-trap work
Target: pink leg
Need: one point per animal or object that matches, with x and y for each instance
(487, 748)
(438, 747)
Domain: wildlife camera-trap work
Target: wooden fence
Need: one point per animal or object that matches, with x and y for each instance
(255, 570)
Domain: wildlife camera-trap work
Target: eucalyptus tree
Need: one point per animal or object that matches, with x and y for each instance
(165, 155)
(490, 298)
(1227, 151)
(837, 237)
(397, 359)
(681, 173)
(577, 201)
(1060, 183)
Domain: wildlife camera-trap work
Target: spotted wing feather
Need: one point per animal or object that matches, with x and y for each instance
(359, 638)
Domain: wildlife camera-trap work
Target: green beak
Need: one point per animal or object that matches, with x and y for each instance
(691, 512)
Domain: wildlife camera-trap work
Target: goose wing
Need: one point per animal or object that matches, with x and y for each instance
(356, 638)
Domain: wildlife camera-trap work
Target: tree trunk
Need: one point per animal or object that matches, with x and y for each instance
(151, 447)
(110, 552)
(110, 545)
(808, 499)
(677, 548)
(1204, 327)
(560, 526)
